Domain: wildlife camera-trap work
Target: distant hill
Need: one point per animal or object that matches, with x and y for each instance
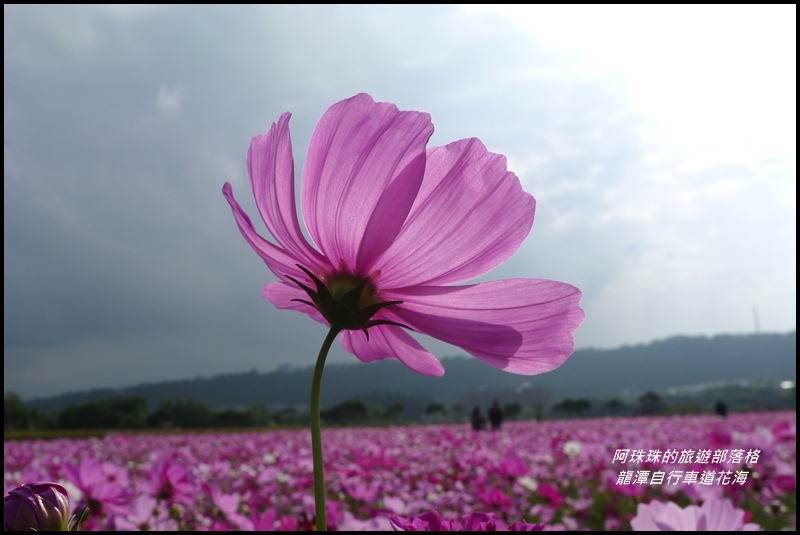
(594, 374)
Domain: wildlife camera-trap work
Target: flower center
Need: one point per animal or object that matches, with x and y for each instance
(341, 284)
(347, 301)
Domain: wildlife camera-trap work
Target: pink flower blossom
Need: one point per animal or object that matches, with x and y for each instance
(550, 493)
(494, 498)
(171, 482)
(395, 226)
(713, 515)
(269, 521)
(228, 505)
(98, 484)
(433, 521)
(145, 515)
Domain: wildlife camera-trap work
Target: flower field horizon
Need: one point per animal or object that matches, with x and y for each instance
(583, 474)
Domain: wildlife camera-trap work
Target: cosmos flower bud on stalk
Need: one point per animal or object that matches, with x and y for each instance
(40, 506)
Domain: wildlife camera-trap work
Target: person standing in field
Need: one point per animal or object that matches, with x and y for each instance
(478, 421)
(495, 415)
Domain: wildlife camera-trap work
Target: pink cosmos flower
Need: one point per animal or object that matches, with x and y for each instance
(145, 514)
(269, 521)
(228, 505)
(99, 488)
(715, 514)
(551, 494)
(433, 521)
(171, 482)
(395, 226)
(494, 497)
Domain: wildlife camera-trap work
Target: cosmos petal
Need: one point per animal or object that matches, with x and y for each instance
(271, 169)
(715, 514)
(646, 514)
(388, 341)
(471, 214)
(279, 261)
(720, 515)
(364, 166)
(522, 326)
(288, 296)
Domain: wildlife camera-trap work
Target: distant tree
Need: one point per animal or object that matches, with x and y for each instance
(76, 417)
(458, 412)
(434, 409)
(615, 405)
(582, 406)
(375, 413)
(685, 407)
(182, 413)
(573, 407)
(129, 412)
(161, 418)
(511, 410)
(564, 406)
(261, 415)
(351, 411)
(290, 417)
(233, 418)
(16, 415)
(650, 403)
(395, 411)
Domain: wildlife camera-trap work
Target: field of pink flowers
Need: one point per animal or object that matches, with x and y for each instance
(573, 474)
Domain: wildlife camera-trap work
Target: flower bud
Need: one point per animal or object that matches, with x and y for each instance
(40, 506)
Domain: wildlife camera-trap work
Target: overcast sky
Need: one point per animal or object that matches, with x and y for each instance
(659, 143)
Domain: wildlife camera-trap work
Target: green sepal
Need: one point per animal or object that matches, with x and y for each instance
(344, 312)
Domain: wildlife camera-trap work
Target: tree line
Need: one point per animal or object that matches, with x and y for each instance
(134, 413)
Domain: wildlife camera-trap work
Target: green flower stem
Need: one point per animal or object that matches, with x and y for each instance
(316, 433)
